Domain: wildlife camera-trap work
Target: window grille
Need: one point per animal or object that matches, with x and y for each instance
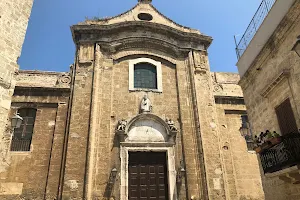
(22, 136)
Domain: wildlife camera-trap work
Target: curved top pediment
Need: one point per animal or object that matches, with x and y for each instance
(142, 27)
(140, 13)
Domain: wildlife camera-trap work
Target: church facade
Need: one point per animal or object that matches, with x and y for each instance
(139, 116)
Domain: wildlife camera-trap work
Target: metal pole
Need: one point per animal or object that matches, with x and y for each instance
(236, 48)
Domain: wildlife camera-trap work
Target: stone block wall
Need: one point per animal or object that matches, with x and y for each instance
(35, 174)
(102, 97)
(240, 166)
(14, 16)
(112, 101)
(273, 77)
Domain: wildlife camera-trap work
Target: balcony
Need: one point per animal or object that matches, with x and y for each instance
(253, 27)
(267, 18)
(283, 155)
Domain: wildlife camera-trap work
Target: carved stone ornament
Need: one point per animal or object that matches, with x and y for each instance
(121, 125)
(200, 62)
(146, 128)
(146, 106)
(172, 130)
(120, 129)
(64, 79)
(171, 125)
(217, 87)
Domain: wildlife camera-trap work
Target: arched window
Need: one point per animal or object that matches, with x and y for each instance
(145, 76)
(22, 136)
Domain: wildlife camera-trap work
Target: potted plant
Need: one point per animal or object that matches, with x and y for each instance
(266, 140)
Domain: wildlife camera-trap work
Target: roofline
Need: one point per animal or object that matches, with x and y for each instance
(41, 72)
(170, 20)
(81, 27)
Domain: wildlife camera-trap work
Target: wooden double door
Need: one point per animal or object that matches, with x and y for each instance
(147, 176)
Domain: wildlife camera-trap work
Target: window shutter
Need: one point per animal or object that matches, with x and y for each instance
(286, 118)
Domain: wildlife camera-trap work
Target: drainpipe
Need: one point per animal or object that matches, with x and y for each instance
(67, 129)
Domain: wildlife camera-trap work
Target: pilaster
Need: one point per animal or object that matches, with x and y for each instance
(190, 145)
(76, 160)
(207, 116)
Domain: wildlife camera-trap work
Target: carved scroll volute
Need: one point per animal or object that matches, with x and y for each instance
(120, 130)
(172, 130)
(201, 61)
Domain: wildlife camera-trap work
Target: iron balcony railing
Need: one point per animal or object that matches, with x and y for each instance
(283, 155)
(252, 28)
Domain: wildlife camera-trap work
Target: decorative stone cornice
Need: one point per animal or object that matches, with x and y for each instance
(124, 126)
(144, 44)
(145, 53)
(284, 73)
(41, 91)
(140, 30)
(64, 79)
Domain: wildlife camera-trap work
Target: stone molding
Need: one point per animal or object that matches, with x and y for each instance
(284, 73)
(140, 29)
(18, 105)
(121, 54)
(148, 43)
(64, 79)
(41, 91)
(130, 146)
(158, 74)
(171, 134)
(124, 155)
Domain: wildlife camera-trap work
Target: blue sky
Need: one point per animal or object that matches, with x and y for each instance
(48, 44)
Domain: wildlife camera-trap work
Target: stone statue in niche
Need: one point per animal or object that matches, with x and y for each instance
(121, 125)
(146, 106)
(171, 124)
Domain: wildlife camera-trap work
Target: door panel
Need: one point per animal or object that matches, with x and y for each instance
(147, 176)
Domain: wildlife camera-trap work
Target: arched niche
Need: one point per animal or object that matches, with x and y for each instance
(147, 128)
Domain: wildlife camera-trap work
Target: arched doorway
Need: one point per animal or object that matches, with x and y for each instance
(147, 159)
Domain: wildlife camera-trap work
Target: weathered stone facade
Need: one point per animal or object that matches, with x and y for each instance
(76, 146)
(35, 174)
(14, 17)
(272, 78)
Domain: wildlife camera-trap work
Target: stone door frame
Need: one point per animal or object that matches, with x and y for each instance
(125, 148)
